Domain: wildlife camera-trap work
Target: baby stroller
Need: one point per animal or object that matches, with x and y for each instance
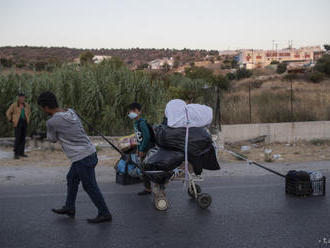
(161, 178)
(175, 137)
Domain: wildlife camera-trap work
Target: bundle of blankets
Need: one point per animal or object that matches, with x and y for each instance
(169, 152)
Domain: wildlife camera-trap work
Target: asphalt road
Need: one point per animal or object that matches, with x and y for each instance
(246, 212)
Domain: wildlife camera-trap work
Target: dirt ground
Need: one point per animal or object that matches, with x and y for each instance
(300, 152)
(107, 157)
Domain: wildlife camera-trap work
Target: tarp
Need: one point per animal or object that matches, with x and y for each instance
(176, 112)
(199, 142)
(162, 159)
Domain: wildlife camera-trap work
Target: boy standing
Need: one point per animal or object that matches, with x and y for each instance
(143, 137)
(65, 126)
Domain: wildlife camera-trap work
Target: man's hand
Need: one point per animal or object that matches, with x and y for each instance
(141, 154)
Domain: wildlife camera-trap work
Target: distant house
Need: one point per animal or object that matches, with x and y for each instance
(99, 58)
(250, 59)
(157, 64)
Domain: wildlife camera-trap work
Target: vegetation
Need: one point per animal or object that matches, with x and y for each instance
(86, 57)
(281, 68)
(317, 77)
(323, 65)
(101, 93)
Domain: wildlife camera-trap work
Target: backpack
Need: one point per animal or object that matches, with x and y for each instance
(151, 131)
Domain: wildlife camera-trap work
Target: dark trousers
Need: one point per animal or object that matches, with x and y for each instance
(20, 134)
(84, 171)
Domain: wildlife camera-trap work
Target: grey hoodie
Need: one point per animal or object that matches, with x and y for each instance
(66, 128)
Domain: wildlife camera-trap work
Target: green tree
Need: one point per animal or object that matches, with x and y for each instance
(6, 62)
(86, 57)
(220, 83)
(281, 68)
(326, 47)
(243, 73)
(199, 73)
(323, 65)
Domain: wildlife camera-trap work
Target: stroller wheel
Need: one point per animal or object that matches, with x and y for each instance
(161, 204)
(204, 200)
(191, 192)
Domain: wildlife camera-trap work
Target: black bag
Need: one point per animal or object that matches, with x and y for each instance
(199, 142)
(159, 158)
(298, 183)
(206, 161)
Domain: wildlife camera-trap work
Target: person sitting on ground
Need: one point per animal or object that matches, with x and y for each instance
(65, 126)
(143, 136)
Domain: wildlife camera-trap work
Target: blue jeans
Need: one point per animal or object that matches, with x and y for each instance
(84, 171)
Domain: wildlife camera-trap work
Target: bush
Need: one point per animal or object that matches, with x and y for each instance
(316, 76)
(256, 84)
(281, 68)
(290, 77)
(323, 65)
(6, 62)
(243, 73)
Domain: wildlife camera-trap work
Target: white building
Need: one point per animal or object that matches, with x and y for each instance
(157, 64)
(99, 58)
(251, 59)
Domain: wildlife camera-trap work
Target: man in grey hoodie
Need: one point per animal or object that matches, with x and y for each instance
(65, 127)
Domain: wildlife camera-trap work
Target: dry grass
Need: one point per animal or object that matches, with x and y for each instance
(300, 152)
(271, 101)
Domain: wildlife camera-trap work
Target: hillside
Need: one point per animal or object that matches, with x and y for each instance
(24, 54)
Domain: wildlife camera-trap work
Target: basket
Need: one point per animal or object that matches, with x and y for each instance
(305, 188)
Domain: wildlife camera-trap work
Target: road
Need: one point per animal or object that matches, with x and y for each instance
(247, 211)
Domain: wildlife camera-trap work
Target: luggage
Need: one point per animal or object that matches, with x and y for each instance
(298, 183)
(127, 171)
(206, 161)
(199, 142)
(161, 159)
(176, 113)
(127, 143)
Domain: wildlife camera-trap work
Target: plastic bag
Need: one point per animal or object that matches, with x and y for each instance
(132, 169)
(207, 161)
(127, 143)
(176, 114)
(200, 141)
(161, 159)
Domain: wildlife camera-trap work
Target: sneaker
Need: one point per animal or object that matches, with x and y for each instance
(24, 155)
(63, 210)
(100, 219)
(144, 192)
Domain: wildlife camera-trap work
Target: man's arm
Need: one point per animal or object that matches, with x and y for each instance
(9, 113)
(146, 137)
(51, 133)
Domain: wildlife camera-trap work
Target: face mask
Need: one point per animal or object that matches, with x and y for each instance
(132, 115)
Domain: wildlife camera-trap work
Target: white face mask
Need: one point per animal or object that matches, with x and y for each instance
(132, 115)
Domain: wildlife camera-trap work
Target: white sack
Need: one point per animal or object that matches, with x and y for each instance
(199, 115)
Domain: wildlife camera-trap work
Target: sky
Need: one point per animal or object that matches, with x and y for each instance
(195, 24)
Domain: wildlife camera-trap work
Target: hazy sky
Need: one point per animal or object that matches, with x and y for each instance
(203, 24)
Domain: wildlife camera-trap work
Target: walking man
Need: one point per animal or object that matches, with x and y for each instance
(65, 127)
(19, 115)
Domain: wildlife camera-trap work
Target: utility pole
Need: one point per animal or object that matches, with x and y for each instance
(250, 107)
(291, 96)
